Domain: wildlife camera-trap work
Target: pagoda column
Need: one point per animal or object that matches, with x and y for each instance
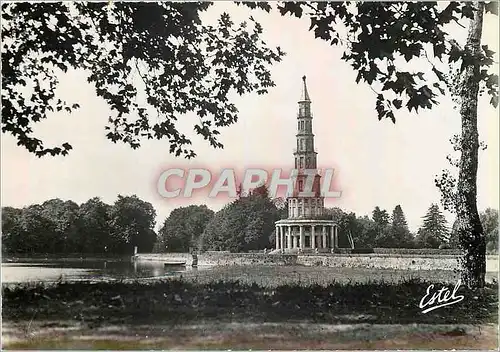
(289, 234)
(301, 234)
(277, 235)
(313, 238)
(282, 233)
(336, 235)
(324, 237)
(332, 239)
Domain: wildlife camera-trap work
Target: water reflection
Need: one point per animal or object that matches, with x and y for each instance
(78, 269)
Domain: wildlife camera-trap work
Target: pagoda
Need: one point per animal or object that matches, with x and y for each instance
(304, 230)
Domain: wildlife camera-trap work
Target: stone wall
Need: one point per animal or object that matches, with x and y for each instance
(245, 259)
(165, 257)
(378, 261)
(222, 258)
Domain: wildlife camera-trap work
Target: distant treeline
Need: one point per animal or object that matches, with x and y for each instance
(246, 224)
(58, 227)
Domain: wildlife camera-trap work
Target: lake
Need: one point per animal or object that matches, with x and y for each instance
(26, 270)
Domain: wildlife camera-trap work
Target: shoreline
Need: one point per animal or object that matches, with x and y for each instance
(333, 260)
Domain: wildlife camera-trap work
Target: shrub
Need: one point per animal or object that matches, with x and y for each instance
(362, 250)
(416, 251)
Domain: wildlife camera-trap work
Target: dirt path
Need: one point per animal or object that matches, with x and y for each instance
(211, 335)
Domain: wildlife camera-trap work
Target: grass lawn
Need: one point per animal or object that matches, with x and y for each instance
(272, 276)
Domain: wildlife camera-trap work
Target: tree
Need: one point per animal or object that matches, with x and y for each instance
(217, 230)
(132, 221)
(348, 225)
(38, 232)
(382, 38)
(62, 227)
(381, 217)
(245, 224)
(94, 218)
(399, 219)
(336, 214)
(384, 237)
(399, 228)
(492, 242)
(367, 233)
(47, 228)
(489, 220)
(281, 205)
(470, 230)
(426, 239)
(183, 228)
(11, 231)
(183, 65)
(454, 241)
(434, 230)
(63, 216)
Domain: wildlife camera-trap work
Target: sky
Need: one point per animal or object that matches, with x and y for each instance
(377, 163)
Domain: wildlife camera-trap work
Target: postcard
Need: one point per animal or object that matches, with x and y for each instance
(249, 175)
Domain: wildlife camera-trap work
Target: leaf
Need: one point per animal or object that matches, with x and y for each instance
(439, 49)
(441, 90)
(294, 8)
(494, 101)
(455, 54)
(67, 146)
(468, 11)
(489, 53)
(397, 103)
(413, 103)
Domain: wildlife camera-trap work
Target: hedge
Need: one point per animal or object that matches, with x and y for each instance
(416, 251)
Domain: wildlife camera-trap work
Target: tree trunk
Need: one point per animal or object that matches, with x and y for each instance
(470, 230)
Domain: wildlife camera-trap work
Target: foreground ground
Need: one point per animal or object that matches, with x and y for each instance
(186, 313)
(244, 336)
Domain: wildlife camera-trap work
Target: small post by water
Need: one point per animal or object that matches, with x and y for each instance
(134, 257)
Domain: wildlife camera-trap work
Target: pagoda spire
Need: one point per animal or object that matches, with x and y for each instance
(305, 154)
(305, 94)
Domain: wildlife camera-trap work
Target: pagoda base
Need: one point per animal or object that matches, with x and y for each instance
(306, 234)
